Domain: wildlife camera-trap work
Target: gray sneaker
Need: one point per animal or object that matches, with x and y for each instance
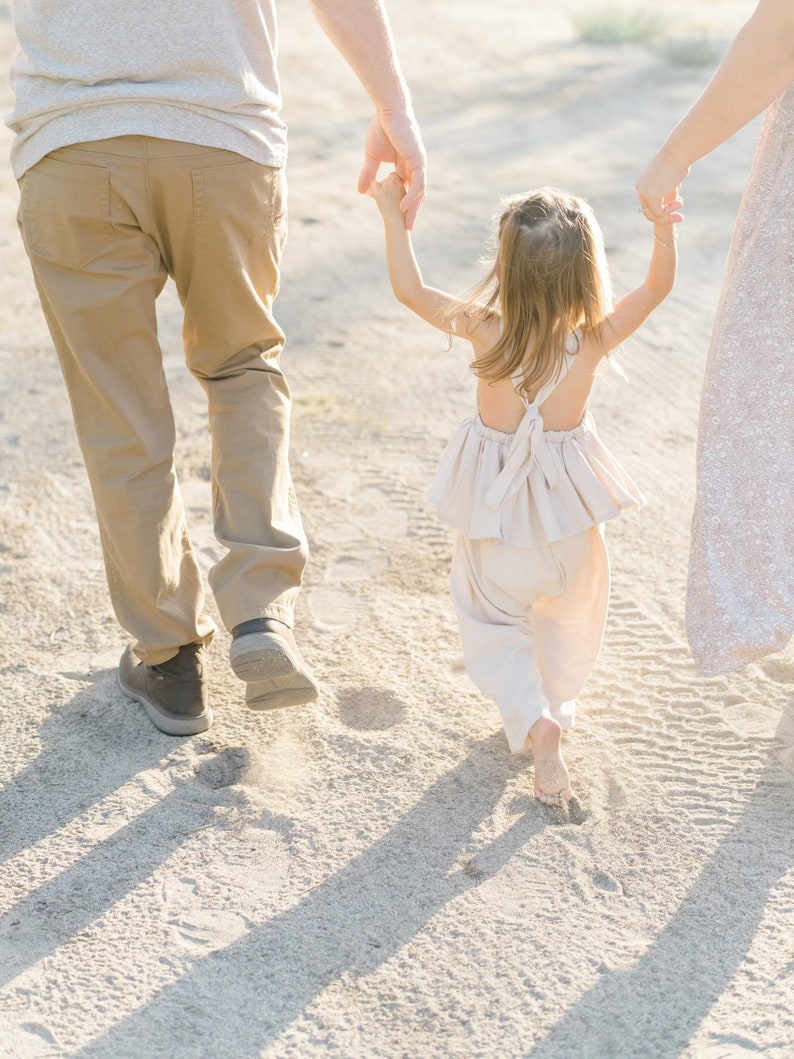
(264, 654)
(173, 693)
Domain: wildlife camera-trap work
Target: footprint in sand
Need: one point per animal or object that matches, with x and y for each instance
(208, 929)
(341, 601)
(606, 882)
(339, 533)
(333, 609)
(370, 709)
(385, 523)
(246, 862)
(341, 486)
(781, 670)
(225, 769)
(752, 719)
(253, 864)
(31, 1039)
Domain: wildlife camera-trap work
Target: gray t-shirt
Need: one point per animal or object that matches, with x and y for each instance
(202, 71)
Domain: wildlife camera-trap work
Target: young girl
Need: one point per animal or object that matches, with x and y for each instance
(525, 481)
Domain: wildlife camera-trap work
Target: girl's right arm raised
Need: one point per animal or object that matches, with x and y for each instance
(442, 310)
(638, 305)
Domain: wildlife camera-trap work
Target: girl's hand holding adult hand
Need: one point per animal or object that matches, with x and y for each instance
(389, 194)
(394, 139)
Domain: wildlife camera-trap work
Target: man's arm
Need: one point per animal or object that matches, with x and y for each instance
(756, 69)
(360, 31)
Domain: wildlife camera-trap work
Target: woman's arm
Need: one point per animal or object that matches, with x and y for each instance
(757, 68)
(360, 31)
(634, 309)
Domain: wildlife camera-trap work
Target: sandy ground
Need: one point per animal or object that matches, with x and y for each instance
(369, 876)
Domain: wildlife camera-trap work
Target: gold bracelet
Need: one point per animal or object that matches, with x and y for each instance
(661, 242)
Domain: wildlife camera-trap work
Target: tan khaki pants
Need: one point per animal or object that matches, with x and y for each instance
(531, 623)
(104, 224)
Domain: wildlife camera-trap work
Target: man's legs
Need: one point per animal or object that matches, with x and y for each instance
(222, 224)
(98, 272)
(104, 223)
(221, 220)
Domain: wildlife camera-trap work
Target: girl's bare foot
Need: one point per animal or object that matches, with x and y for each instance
(552, 783)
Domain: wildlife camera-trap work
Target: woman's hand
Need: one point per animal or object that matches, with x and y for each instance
(659, 189)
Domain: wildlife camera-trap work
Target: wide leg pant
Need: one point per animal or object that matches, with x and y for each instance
(104, 224)
(531, 622)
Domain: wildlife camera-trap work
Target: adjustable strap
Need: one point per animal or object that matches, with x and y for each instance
(526, 449)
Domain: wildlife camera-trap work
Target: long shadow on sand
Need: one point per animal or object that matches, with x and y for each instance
(654, 1008)
(93, 746)
(355, 921)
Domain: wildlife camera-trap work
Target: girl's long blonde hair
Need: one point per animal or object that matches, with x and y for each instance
(549, 277)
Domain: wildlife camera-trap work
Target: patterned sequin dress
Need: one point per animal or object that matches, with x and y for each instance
(740, 595)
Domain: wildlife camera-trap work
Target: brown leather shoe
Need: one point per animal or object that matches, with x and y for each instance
(173, 693)
(265, 655)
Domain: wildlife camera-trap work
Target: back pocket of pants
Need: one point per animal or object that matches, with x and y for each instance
(238, 209)
(65, 211)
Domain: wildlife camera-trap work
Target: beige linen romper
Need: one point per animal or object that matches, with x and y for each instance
(530, 574)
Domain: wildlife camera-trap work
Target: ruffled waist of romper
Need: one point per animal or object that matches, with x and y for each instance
(530, 488)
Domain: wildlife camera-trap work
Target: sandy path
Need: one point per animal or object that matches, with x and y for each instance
(369, 876)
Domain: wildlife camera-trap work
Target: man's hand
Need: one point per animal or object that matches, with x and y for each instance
(360, 31)
(395, 140)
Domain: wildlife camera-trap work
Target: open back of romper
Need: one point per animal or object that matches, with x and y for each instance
(534, 486)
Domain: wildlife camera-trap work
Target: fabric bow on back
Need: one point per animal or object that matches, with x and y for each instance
(526, 449)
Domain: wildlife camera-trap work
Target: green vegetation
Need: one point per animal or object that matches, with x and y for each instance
(615, 25)
(692, 51)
